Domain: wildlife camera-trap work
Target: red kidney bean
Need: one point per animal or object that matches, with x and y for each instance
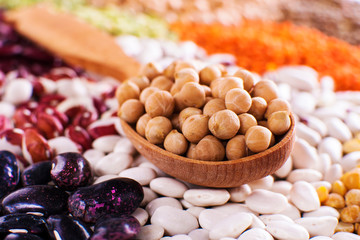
(49, 126)
(79, 135)
(115, 196)
(70, 171)
(35, 147)
(85, 118)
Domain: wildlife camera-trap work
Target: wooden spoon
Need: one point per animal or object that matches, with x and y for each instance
(224, 174)
(76, 42)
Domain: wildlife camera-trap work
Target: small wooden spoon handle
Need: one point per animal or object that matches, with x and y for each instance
(76, 42)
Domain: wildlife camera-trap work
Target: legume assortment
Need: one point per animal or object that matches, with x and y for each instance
(313, 194)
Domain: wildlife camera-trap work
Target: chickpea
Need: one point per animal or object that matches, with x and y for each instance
(192, 95)
(169, 71)
(266, 89)
(247, 77)
(258, 107)
(258, 138)
(246, 121)
(279, 122)
(224, 124)
(207, 90)
(162, 83)
(127, 90)
(157, 129)
(150, 70)
(209, 73)
(146, 93)
(175, 121)
(141, 81)
(213, 106)
(187, 112)
(236, 147)
(179, 104)
(160, 103)
(195, 128)
(210, 149)
(275, 105)
(191, 151)
(263, 123)
(184, 64)
(222, 85)
(238, 100)
(182, 77)
(186, 75)
(131, 110)
(175, 142)
(141, 124)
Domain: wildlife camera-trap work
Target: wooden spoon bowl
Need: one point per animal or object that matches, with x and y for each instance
(219, 174)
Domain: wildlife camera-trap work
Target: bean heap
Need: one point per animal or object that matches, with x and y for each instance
(190, 113)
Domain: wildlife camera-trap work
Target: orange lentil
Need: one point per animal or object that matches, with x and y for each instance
(261, 46)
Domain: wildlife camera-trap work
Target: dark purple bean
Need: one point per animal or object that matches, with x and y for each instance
(9, 173)
(32, 223)
(70, 171)
(124, 227)
(10, 50)
(44, 199)
(68, 228)
(22, 236)
(35, 53)
(118, 196)
(37, 174)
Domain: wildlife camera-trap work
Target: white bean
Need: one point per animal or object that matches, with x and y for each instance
(315, 124)
(232, 226)
(323, 226)
(333, 173)
(284, 230)
(199, 234)
(345, 236)
(150, 232)
(195, 211)
(262, 183)
(291, 211)
(308, 134)
(149, 195)
(239, 194)
(124, 145)
(352, 120)
(338, 129)
(308, 175)
(333, 147)
(304, 155)
(266, 202)
(350, 161)
(282, 187)
(304, 196)
(162, 201)
(106, 143)
(113, 163)
(209, 217)
(324, 163)
(93, 155)
(141, 215)
(174, 220)
(322, 212)
(140, 174)
(18, 91)
(267, 218)
(255, 234)
(169, 187)
(285, 169)
(207, 197)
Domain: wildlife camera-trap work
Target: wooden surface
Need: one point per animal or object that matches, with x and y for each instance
(232, 173)
(76, 42)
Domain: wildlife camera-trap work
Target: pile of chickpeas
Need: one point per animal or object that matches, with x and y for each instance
(207, 114)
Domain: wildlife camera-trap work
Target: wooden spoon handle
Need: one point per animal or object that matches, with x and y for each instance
(76, 42)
